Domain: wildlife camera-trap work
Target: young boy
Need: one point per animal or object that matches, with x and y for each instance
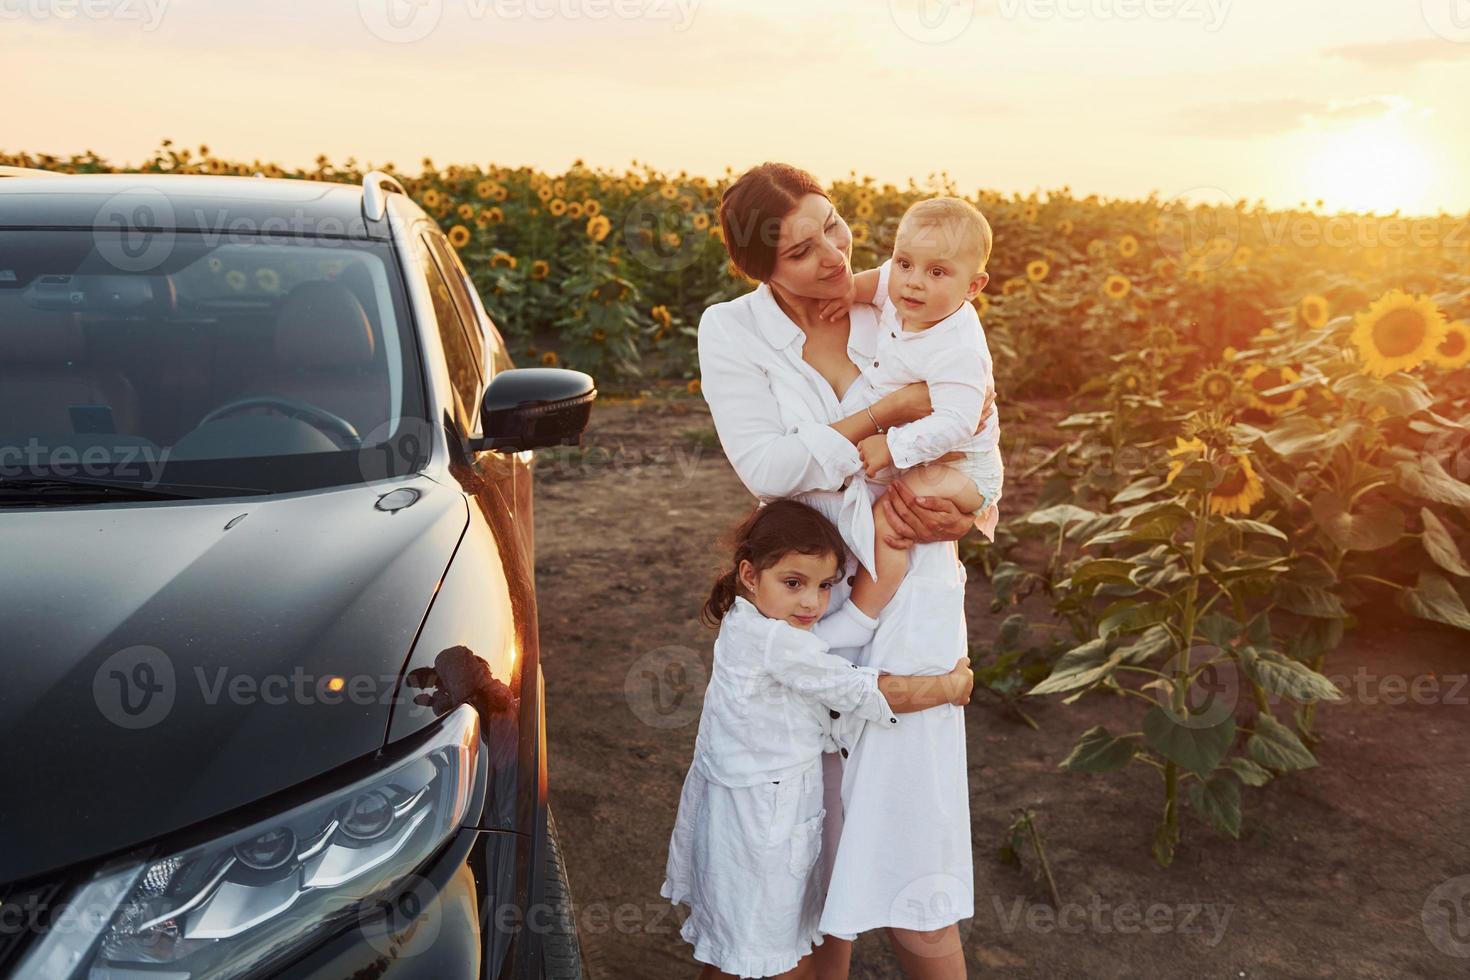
(929, 331)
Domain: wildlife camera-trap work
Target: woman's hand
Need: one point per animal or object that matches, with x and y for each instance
(922, 520)
(989, 408)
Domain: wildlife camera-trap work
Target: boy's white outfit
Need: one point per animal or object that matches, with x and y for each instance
(953, 358)
(745, 846)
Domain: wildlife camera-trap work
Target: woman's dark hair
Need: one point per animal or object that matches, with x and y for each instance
(752, 209)
(766, 534)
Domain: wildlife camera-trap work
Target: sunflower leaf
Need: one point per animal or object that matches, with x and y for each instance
(1197, 749)
(1276, 747)
(1434, 598)
(1376, 526)
(1099, 751)
(1427, 478)
(1399, 393)
(1218, 800)
(1440, 545)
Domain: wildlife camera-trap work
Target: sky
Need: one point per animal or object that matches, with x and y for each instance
(1358, 103)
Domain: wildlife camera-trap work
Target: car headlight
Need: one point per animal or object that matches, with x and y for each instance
(225, 908)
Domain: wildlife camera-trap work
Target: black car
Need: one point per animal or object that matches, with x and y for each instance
(271, 701)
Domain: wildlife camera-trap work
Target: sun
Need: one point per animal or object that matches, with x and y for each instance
(1378, 165)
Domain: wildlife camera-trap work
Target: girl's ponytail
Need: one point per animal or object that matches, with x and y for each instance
(768, 532)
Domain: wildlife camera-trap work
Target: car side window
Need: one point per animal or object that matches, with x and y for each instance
(464, 372)
(450, 267)
(495, 349)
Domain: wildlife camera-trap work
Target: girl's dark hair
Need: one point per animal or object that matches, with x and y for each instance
(766, 534)
(752, 209)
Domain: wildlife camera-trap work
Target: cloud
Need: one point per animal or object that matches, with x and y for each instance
(1275, 116)
(1400, 54)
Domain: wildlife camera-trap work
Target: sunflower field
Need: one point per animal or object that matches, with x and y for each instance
(1270, 437)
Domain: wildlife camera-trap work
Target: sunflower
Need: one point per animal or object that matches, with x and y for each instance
(591, 208)
(1116, 286)
(1127, 246)
(1183, 453)
(668, 192)
(1031, 213)
(1239, 490)
(1243, 255)
(1454, 351)
(500, 193)
(574, 209)
(502, 260)
(544, 193)
(268, 280)
(432, 199)
(599, 336)
(1259, 378)
(1037, 270)
(1398, 332)
(1312, 311)
(494, 216)
(459, 236)
(540, 269)
(466, 211)
(598, 227)
(1065, 227)
(860, 233)
(549, 359)
(557, 207)
(1096, 249)
(661, 316)
(1161, 335)
(1166, 269)
(1014, 286)
(236, 280)
(1215, 386)
(864, 210)
(1129, 380)
(701, 221)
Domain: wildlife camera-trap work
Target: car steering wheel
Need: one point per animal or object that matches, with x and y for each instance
(343, 431)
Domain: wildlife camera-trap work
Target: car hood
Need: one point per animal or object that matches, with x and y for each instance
(164, 663)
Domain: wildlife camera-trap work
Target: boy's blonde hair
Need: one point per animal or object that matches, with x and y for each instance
(961, 222)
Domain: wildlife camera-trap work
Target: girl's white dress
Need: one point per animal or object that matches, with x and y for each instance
(748, 835)
(900, 853)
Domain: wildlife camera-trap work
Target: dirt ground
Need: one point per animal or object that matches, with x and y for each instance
(1359, 868)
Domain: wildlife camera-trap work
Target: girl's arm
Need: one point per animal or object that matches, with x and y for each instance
(910, 692)
(864, 290)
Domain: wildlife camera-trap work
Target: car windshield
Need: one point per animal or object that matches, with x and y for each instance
(234, 364)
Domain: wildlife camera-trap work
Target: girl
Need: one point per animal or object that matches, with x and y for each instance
(744, 851)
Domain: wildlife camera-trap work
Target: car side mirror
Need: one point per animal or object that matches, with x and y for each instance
(528, 408)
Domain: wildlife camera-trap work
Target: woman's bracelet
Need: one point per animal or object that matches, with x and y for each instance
(869, 410)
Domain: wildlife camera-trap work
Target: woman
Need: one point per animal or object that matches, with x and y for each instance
(790, 406)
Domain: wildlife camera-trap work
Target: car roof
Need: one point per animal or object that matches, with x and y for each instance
(186, 202)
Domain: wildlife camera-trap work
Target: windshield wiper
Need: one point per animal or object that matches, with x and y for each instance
(72, 490)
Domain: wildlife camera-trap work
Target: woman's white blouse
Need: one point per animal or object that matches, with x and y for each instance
(772, 686)
(773, 411)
